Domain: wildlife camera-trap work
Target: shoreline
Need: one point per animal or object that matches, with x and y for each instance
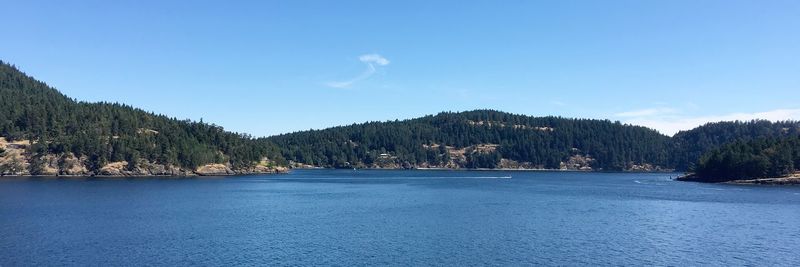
(194, 175)
(483, 169)
(793, 179)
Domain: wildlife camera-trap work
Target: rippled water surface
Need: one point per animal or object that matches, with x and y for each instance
(344, 217)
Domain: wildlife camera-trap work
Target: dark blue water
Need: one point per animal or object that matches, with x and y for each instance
(325, 217)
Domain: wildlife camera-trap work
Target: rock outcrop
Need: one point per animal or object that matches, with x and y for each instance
(577, 163)
(71, 165)
(214, 170)
(15, 160)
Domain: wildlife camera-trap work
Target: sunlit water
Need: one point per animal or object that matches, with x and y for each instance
(345, 217)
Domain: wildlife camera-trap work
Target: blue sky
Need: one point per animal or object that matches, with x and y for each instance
(269, 67)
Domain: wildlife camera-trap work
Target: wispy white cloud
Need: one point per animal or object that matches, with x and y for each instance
(558, 103)
(372, 61)
(670, 121)
(374, 58)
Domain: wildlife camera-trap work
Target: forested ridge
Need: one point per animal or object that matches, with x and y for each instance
(51, 129)
(533, 142)
(543, 142)
(689, 146)
(100, 133)
(756, 158)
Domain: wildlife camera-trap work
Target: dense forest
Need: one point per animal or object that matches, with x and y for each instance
(533, 142)
(542, 142)
(45, 126)
(756, 158)
(688, 146)
(101, 133)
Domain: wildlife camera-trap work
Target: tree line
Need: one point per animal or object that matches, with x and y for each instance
(108, 132)
(542, 141)
(756, 158)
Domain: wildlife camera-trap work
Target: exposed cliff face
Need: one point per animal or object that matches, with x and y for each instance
(214, 170)
(71, 165)
(143, 168)
(459, 158)
(577, 163)
(645, 167)
(17, 161)
(13, 160)
(218, 169)
(263, 166)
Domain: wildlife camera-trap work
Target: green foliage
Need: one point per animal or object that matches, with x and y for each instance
(689, 146)
(757, 158)
(543, 141)
(104, 132)
(477, 160)
(540, 140)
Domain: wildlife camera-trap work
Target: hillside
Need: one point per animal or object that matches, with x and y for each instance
(43, 132)
(752, 161)
(481, 139)
(493, 139)
(689, 146)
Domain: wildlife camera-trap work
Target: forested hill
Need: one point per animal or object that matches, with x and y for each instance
(481, 139)
(44, 132)
(765, 157)
(493, 139)
(689, 146)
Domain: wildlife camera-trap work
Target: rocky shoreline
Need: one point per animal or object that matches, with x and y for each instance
(769, 181)
(793, 179)
(180, 173)
(17, 161)
(505, 165)
(70, 166)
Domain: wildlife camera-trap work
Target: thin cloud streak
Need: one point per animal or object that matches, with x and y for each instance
(371, 60)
